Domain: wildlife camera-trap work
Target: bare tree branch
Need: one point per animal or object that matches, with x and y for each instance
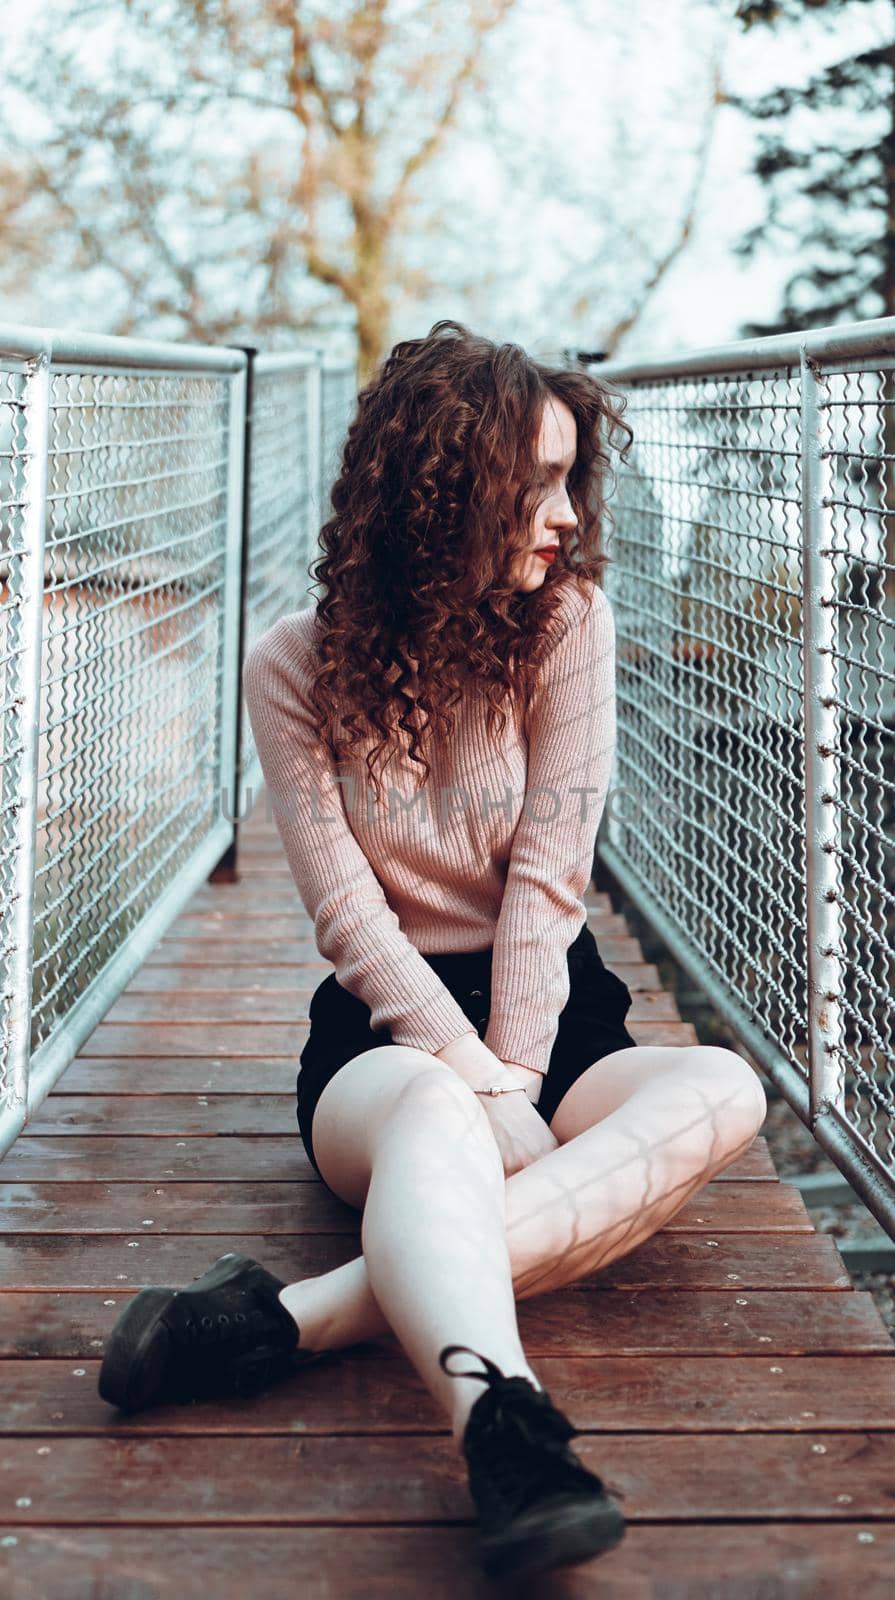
(341, 116)
(482, 27)
(303, 78)
(612, 338)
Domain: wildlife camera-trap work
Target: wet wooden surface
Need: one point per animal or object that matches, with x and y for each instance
(729, 1381)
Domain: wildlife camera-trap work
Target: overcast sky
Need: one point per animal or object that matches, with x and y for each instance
(662, 61)
(707, 291)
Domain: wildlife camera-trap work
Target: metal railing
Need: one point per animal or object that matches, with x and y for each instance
(751, 819)
(160, 508)
(152, 523)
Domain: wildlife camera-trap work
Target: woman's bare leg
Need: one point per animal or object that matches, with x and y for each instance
(411, 1135)
(639, 1133)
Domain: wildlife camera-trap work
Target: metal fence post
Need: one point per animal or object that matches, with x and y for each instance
(315, 450)
(226, 870)
(821, 734)
(32, 483)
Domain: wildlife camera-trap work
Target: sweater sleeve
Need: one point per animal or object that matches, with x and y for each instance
(354, 926)
(572, 734)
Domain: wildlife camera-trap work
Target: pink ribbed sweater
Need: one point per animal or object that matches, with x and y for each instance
(496, 850)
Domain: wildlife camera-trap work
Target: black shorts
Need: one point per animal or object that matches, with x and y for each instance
(591, 1024)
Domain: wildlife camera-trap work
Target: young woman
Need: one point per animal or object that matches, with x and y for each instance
(437, 737)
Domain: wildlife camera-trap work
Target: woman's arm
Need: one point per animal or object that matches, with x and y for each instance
(480, 1068)
(354, 926)
(571, 744)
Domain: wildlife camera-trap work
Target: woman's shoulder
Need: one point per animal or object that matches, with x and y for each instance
(288, 643)
(583, 608)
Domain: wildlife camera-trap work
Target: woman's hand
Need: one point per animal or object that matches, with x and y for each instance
(521, 1133)
(478, 1066)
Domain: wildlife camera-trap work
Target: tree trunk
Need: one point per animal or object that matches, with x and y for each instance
(372, 330)
(371, 278)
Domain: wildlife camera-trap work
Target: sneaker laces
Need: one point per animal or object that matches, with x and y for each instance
(517, 1439)
(536, 1421)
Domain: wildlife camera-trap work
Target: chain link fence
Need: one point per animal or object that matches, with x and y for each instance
(152, 523)
(751, 818)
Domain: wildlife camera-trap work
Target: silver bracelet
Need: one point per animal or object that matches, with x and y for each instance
(499, 1089)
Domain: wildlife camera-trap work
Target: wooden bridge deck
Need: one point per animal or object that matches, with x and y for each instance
(730, 1380)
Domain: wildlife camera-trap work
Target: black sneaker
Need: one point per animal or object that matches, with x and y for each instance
(225, 1333)
(539, 1506)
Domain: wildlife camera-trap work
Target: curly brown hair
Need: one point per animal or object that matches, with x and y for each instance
(432, 504)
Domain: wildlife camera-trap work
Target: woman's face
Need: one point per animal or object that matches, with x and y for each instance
(557, 446)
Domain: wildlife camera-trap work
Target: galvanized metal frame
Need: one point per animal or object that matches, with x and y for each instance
(230, 665)
(35, 355)
(826, 1087)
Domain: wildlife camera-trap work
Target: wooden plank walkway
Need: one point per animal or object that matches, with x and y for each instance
(730, 1381)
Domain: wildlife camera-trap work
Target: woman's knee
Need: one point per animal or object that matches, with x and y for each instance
(738, 1085)
(371, 1095)
(355, 1106)
(368, 1087)
(743, 1080)
(440, 1103)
